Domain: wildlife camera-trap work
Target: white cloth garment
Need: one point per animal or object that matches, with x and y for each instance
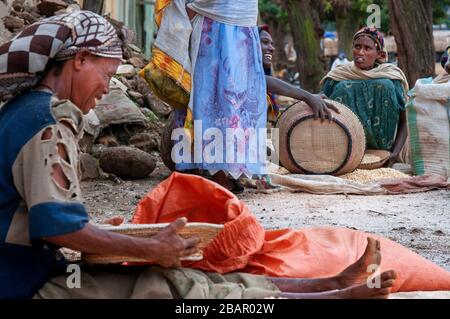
(242, 13)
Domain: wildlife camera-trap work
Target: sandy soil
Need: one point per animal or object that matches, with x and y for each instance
(418, 221)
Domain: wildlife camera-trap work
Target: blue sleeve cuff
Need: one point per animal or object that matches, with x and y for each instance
(55, 219)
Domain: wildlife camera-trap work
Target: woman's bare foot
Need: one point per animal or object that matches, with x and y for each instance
(363, 291)
(358, 272)
(380, 290)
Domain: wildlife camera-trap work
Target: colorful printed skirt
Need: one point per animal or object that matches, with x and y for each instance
(229, 104)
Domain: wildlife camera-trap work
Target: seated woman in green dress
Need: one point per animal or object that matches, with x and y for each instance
(374, 90)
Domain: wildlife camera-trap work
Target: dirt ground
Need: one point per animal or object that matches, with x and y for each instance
(418, 221)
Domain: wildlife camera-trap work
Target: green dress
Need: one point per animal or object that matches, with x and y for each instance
(377, 103)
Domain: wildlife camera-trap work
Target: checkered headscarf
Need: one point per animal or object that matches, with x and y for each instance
(25, 57)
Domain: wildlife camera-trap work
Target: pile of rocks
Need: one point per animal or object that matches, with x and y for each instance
(137, 87)
(126, 145)
(121, 145)
(23, 13)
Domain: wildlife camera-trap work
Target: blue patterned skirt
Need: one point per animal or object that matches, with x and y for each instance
(229, 102)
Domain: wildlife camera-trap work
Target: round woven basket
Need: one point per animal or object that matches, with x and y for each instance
(204, 231)
(374, 159)
(167, 143)
(308, 146)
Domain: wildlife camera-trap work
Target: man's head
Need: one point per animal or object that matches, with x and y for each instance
(267, 47)
(83, 79)
(445, 61)
(368, 48)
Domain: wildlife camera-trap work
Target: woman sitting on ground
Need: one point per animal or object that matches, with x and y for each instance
(374, 90)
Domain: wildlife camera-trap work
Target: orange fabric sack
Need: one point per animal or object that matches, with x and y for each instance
(244, 245)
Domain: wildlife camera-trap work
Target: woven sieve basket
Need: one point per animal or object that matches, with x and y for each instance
(309, 146)
(206, 232)
(374, 159)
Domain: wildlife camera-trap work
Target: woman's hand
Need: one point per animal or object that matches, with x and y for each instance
(169, 247)
(165, 248)
(320, 107)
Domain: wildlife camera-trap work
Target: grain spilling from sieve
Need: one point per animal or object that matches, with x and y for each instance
(367, 176)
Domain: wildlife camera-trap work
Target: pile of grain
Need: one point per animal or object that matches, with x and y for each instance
(368, 176)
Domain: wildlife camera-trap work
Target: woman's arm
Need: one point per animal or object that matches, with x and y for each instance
(320, 108)
(165, 248)
(402, 135)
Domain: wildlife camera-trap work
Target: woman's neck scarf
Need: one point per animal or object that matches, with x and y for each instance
(24, 59)
(350, 71)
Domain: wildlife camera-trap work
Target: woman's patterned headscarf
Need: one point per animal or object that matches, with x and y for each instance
(372, 33)
(25, 57)
(263, 27)
(377, 37)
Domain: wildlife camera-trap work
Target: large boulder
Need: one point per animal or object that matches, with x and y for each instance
(147, 141)
(127, 162)
(156, 105)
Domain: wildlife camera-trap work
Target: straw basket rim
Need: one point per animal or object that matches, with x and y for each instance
(205, 231)
(384, 157)
(129, 227)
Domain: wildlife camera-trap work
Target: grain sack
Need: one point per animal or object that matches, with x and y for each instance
(429, 128)
(115, 108)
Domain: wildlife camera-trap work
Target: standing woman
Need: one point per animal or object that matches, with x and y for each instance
(210, 56)
(229, 88)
